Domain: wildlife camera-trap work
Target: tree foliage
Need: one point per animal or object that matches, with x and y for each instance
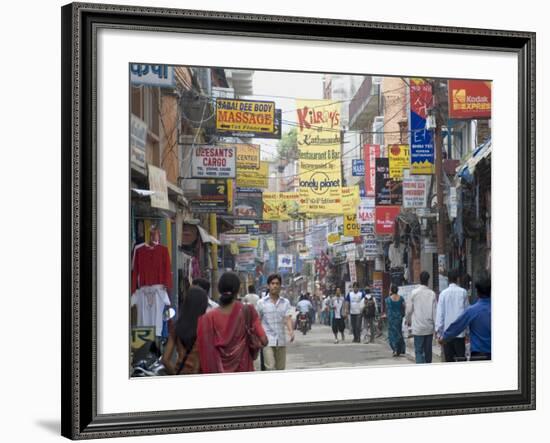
(287, 147)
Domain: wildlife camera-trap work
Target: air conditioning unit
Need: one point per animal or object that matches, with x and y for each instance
(378, 130)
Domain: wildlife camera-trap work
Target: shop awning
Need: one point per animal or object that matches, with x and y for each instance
(206, 237)
(466, 171)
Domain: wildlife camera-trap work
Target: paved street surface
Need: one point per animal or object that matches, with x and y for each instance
(317, 349)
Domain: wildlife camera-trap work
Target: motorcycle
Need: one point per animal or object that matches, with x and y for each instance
(146, 361)
(303, 323)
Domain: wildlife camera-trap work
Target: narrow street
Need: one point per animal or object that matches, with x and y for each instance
(317, 349)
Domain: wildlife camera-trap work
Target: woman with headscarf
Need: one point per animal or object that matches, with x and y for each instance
(183, 334)
(222, 336)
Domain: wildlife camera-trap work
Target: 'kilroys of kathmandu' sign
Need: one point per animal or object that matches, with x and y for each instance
(319, 156)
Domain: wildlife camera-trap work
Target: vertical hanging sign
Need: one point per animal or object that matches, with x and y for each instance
(422, 147)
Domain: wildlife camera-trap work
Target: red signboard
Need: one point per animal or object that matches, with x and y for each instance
(469, 99)
(370, 154)
(385, 219)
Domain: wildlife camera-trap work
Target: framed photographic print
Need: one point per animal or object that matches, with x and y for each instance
(251, 202)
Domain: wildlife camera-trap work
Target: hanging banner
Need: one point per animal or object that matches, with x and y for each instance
(370, 154)
(350, 199)
(213, 162)
(319, 156)
(253, 178)
(351, 226)
(399, 157)
(246, 118)
(385, 219)
(280, 206)
(365, 211)
(422, 147)
(415, 190)
(469, 99)
(157, 183)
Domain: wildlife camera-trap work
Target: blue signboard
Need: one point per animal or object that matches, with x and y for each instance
(358, 168)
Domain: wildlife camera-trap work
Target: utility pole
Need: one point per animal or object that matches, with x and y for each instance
(441, 219)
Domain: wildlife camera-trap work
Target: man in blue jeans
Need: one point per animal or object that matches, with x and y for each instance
(420, 314)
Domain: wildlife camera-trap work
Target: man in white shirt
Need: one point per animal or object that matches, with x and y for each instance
(354, 305)
(251, 298)
(337, 308)
(453, 301)
(421, 312)
(304, 306)
(276, 315)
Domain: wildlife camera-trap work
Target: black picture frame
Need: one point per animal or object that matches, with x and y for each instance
(79, 211)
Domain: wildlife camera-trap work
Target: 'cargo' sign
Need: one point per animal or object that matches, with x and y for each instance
(213, 162)
(245, 117)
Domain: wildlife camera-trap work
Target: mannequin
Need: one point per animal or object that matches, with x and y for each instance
(151, 277)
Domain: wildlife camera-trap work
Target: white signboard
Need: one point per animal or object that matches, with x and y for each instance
(286, 260)
(157, 183)
(453, 206)
(152, 75)
(138, 141)
(352, 271)
(415, 190)
(365, 211)
(209, 161)
(429, 246)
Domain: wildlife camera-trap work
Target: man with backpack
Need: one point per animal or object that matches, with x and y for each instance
(369, 315)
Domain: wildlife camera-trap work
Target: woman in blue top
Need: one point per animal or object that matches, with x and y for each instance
(395, 310)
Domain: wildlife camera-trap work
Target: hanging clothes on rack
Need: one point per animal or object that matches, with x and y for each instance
(150, 302)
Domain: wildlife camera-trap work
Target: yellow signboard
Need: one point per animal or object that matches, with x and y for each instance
(253, 178)
(400, 158)
(270, 242)
(248, 116)
(280, 205)
(234, 248)
(350, 199)
(333, 237)
(248, 156)
(351, 226)
(319, 156)
(141, 335)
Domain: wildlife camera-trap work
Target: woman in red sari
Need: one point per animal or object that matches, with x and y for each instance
(221, 333)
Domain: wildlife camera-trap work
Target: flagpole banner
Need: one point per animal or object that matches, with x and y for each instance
(319, 156)
(370, 154)
(400, 159)
(422, 147)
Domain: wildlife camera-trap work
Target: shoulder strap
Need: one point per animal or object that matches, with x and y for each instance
(182, 364)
